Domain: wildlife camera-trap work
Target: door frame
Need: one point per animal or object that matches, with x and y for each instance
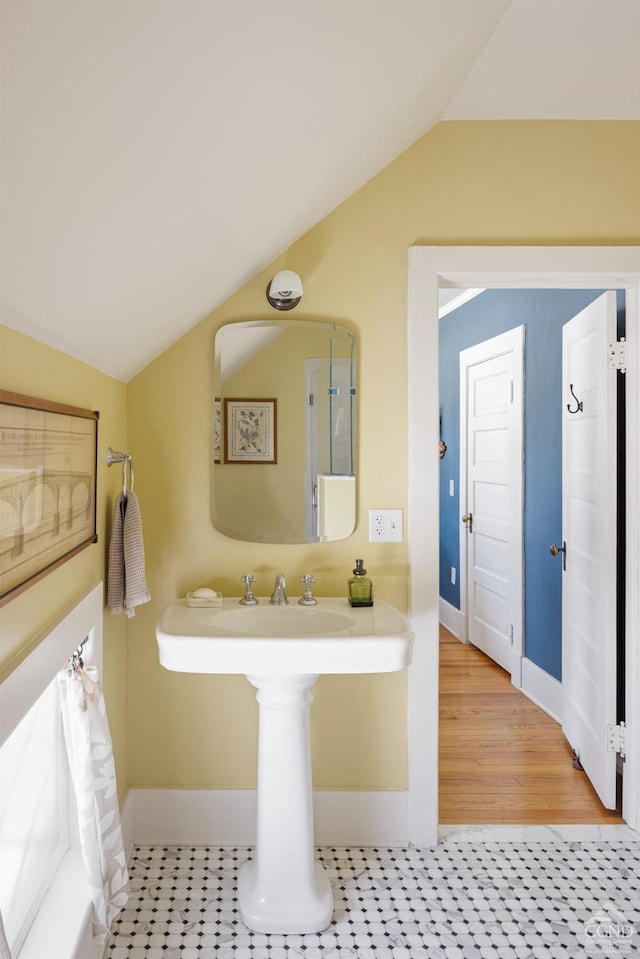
(511, 341)
(313, 366)
(494, 267)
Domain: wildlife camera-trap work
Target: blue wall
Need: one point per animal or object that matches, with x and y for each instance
(543, 313)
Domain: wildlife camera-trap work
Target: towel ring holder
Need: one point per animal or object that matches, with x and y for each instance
(114, 457)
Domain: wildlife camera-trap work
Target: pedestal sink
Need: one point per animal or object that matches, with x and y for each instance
(282, 650)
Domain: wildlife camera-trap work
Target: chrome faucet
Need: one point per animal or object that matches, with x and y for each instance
(307, 598)
(248, 599)
(279, 596)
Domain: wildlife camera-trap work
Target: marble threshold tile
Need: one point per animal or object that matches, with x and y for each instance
(536, 833)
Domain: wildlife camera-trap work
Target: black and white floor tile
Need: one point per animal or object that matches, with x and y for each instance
(491, 898)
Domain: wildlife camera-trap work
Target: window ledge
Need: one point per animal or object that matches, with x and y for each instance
(62, 927)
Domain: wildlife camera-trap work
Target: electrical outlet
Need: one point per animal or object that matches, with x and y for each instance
(385, 525)
(453, 576)
(452, 487)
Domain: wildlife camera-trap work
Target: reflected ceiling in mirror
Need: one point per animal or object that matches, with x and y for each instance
(284, 431)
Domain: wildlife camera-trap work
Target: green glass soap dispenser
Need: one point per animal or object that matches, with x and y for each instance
(360, 587)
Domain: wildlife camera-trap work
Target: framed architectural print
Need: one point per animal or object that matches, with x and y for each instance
(48, 456)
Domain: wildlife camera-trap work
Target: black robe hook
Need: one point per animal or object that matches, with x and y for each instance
(578, 402)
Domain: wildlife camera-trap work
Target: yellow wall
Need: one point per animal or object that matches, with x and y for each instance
(463, 183)
(29, 367)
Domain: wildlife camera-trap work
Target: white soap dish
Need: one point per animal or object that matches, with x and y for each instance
(204, 598)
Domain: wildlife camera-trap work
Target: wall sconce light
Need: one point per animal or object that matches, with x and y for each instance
(285, 290)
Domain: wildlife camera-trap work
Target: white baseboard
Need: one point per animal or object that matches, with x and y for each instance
(228, 817)
(126, 822)
(542, 689)
(452, 619)
(347, 818)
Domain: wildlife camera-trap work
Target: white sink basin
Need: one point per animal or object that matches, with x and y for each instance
(284, 640)
(283, 621)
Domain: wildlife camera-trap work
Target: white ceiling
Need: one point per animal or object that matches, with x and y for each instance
(156, 154)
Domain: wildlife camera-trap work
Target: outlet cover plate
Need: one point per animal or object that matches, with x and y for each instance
(385, 525)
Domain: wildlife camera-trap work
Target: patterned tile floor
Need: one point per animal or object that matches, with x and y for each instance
(461, 900)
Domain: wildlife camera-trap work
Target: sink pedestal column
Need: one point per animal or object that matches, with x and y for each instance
(283, 889)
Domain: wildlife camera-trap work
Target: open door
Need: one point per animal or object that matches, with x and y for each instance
(588, 550)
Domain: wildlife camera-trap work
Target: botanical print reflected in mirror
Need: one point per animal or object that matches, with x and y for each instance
(250, 431)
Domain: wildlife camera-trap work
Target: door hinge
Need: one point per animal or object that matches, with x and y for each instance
(512, 391)
(618, 355)
(511, 634)
(310, 399)
(615, 739)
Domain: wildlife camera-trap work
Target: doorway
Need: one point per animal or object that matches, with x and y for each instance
(570, 610)
(496, 267)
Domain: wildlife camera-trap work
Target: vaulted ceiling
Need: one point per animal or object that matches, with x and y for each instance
(156, 154)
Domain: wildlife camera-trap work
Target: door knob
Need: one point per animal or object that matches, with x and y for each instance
(467, 519)
(556, 550)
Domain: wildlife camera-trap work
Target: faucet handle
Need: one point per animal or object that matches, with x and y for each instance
(307, 599)
(248, 599)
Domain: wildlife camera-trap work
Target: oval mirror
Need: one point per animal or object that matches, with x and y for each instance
(284, 452)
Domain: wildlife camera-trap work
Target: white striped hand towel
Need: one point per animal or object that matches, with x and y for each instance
(126, 585)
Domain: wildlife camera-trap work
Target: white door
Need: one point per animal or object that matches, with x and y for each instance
(491, 484)
(589, 535)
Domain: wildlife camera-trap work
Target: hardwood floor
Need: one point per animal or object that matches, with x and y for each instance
(502, 759)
